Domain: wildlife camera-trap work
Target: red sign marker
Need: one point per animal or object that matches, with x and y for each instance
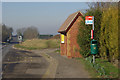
(89, 18)
(91, 34)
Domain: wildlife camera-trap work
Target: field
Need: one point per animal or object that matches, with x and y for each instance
(39, 44)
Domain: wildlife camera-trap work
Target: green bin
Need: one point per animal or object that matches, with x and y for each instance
(94, 48)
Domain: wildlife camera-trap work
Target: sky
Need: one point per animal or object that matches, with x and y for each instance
(46, 16)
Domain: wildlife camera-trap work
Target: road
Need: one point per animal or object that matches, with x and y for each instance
(62, 67)
(4, 50)
(40, 64)
(35, 64)
(23, 64)
(20, 63)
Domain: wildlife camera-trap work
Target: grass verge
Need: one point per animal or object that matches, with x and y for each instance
(96, 70)
(39, 44)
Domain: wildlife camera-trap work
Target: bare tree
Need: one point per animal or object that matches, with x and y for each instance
(20, 31)
(6, 32)
(30, 33)
(101, 5)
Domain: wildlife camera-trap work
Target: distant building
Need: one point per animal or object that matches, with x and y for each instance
(68, 32)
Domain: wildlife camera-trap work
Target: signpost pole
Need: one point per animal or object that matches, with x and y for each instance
(93, 58)
(93, 38)
(93, 23)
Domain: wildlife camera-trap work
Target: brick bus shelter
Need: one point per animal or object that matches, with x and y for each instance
(68, 35)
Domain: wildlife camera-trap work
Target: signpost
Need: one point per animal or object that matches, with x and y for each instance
(90, 20)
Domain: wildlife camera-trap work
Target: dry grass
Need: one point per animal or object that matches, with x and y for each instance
(39, 44)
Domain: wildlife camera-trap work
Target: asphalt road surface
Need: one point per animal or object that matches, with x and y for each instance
(3, 51)
(62, 67)
(23, 64)
(20, 64)
(38, 64)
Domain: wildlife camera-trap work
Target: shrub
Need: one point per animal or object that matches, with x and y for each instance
(84, 35)
(109, 34)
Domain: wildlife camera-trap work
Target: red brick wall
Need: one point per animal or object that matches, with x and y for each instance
(72, 46)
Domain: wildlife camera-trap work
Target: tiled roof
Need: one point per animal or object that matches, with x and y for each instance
(68, 21)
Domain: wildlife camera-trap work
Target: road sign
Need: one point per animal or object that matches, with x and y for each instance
(89, 20)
